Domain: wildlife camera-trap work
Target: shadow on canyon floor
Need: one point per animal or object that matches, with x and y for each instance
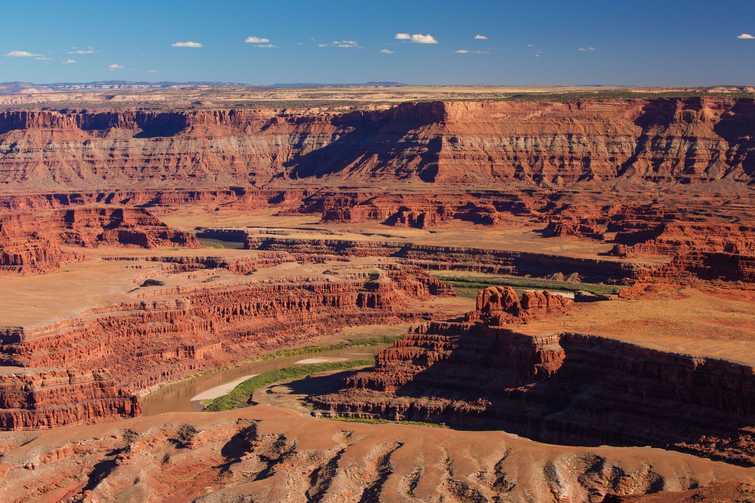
(596, 397)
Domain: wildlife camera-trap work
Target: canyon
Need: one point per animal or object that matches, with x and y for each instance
(682, 140)
(577, 272)
(564, 388)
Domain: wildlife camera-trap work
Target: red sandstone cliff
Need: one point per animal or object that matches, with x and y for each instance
(173, 333)
(561, 388)
(30, 241)
(681, 140)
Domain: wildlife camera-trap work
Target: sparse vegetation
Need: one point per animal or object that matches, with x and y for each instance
(374, 420)
(220, 243)
(130, 436)
(152, 282)
(240, 395)
(468, 286)
(184, 436)
(381, 340)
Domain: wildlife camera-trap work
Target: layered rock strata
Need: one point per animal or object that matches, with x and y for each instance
(564, 388)
(43, 398)
(31, 241)
(448, 257)
(685, 140)
(175, 332)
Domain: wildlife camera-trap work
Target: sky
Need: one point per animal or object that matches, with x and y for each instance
(541, 42)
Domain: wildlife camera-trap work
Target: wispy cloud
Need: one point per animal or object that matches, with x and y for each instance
(386, 51)
(341, 44)
(586, 49)
(261, 42)
(467, 51)
(69, 61)
(152, 71)
(417, 38)
(23, 54)
(114, 67)
(187, 44)
(746, 36)
(480, 36)
(81, 51)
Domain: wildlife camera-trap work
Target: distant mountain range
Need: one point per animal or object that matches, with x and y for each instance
(30, 87)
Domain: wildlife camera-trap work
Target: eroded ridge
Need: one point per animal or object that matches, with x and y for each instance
(687, 140)
(174, 332)
(259, 454)
(564, 388)
(31, 241)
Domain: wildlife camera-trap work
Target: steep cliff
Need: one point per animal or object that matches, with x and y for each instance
(662, 140)
(561, 388)
(174, 332)
(30, 241)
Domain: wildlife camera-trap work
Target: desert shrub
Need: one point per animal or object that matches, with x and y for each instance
(185, 436)
(152, 282)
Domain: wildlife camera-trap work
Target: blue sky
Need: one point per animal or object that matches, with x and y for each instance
(639, 42)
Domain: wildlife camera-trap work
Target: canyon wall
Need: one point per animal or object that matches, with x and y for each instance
(534, 142)
(175, 332)
(564, 388)
(448, 257)
(30, 241)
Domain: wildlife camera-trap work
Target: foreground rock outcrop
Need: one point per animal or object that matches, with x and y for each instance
(264, 453)
(564, 388)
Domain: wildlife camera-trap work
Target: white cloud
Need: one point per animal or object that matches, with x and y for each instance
(22, 54)
(417, 38)
(341, 44)
(187, 44)
(467, 51)
(82, 51)
(480, 37)
(151, 71)
(42, 58)
(114, 67)
(586, 49)
(746, 36)
(69, 61)
(386, 51)
(261, 42)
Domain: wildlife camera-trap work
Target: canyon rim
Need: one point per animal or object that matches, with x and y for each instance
(217, 292)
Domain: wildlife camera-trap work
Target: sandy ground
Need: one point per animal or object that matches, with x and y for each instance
(426, 463)
(704, 322)
(312, 361)
(221, 390)
(523, 238)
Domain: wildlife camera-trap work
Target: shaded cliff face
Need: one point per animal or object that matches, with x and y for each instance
(563, 388)
(674, 140)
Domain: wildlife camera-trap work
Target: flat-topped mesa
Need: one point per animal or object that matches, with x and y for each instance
(689, 140)
(432, 257)
(560, 388)
(174, 332)
(424, 210)
(30, 241)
